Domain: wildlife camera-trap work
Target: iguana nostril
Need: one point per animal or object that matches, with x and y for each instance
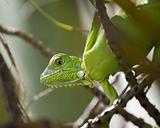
(46, 72)
(77, 64)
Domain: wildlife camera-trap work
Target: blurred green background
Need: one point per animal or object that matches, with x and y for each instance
(64, 104)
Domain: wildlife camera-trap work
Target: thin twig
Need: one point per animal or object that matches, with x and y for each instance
(5, 45)
(94, 108)
(99, 94)
(38, 124)
(36, 97)
(28, 38)
(54, 21)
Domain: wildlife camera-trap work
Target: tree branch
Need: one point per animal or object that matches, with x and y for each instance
(15, 108)
(114, 38)
(28, 38)
(37, 124)
(94, 108)
(130, 117)
(106, 115)
(99, 94)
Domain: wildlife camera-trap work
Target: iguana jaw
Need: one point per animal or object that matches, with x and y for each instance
(63, 78)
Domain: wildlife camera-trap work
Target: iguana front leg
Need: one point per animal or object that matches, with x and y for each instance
(109, 90)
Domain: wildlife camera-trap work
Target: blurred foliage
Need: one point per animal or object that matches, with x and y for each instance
(4, 115)
(63, 104)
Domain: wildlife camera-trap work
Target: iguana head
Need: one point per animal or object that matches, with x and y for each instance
(63, 71)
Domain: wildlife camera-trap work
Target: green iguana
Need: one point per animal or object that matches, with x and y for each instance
(97, 63)
(64, 70)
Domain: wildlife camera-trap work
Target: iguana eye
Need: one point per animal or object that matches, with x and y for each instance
(59, 61)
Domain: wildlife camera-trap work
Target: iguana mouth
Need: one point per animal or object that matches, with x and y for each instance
(74, 83)
(63, 78)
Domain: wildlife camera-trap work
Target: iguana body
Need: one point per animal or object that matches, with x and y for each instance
(64, 70)
(97, 63)
(98, 59)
